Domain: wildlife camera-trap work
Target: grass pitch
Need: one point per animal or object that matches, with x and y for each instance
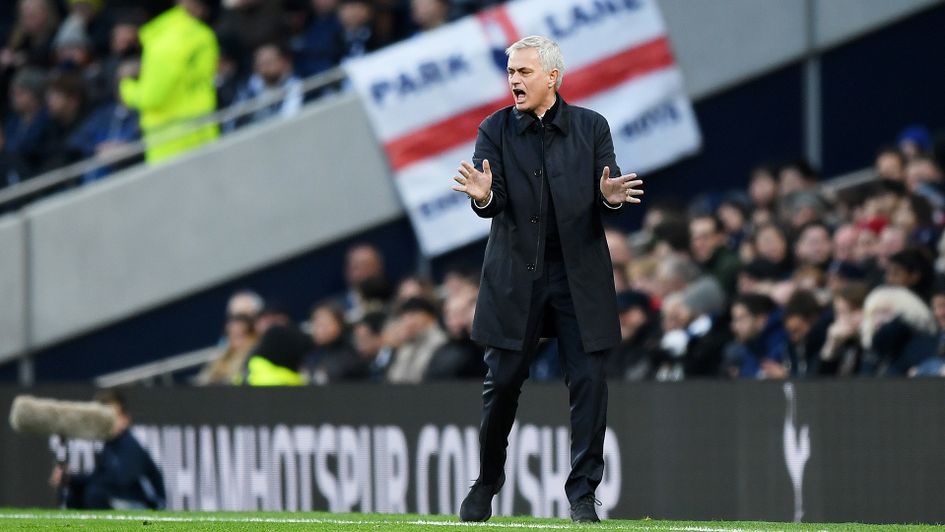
(16, 519)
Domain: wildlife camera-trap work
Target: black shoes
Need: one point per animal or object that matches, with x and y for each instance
(583, 511)
(477, 506)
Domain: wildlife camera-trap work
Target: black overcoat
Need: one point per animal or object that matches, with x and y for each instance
(573, 150)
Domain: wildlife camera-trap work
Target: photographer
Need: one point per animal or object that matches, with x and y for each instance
(125, 477)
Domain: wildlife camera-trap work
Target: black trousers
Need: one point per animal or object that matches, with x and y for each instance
(584, 376)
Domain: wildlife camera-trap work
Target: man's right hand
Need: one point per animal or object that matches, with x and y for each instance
(477, 185)
(55, 478)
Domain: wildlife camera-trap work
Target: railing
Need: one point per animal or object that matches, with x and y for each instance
(23, 191)
(161, 371)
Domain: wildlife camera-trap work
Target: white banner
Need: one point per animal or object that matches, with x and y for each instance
(426, 97)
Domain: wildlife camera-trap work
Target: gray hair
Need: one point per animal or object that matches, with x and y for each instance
(549, 54)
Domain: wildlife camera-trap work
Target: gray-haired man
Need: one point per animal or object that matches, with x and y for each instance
(542, 173)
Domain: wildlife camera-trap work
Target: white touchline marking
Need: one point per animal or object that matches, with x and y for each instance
(315, 520)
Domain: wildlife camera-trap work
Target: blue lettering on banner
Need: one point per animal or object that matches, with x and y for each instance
(425, 75)
(440, 204)
(661, 115)
(587, 15)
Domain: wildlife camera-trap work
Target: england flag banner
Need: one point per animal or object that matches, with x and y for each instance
(427, 96)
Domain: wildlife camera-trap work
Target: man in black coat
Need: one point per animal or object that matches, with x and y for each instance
(542, 173)
(125, 477)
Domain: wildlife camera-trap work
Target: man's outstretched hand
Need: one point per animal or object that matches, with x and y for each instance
(477, 185)
(621, 189)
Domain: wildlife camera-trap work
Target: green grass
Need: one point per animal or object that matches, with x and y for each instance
(20, 519)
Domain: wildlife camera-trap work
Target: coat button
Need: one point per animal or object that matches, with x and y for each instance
(530, 267)
(538, 173)
(533, 219)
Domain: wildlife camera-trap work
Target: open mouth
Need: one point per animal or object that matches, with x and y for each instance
(519, 95)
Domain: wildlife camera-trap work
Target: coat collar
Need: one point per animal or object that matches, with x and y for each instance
(561, 120)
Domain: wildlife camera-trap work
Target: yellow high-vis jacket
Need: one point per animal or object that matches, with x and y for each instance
(176, 83)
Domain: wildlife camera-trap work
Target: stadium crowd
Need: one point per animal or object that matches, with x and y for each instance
(779, 280)
(76, 78)
(786, 279)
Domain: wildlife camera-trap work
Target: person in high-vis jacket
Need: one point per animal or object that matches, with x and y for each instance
(175, 86)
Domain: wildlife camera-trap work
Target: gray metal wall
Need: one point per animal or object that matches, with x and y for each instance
(724, 42)
(12, 305)
(153, 235)
(111, 250)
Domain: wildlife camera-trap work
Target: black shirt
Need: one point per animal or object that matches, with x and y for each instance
(552, 240)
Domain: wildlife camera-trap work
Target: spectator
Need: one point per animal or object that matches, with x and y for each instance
(796, 176)
(771, 244)
(914, 216)
(642, 276)
(760, 347)
(619, 246)
(892, 240)
(176, 82)
(25, 128)
(9, 170)
(733, 213)
(429, 14)
(763, 191)
(273, 314)
(31, 40)
(415, 286)
(333, 359)
(844, 243)
(841, 274)
(759, 276)
(670, 236)
(123, 46)
(321, 46)
(674, 273)
(459, 280)
(228, 367)
(253, 23)
(865, 250)
(695, 332)
(125, 477)
(890, 164)
(392, 20)
(914, 141)
(924, 177)
(935, 366)
(802, 208)
(107, 129)
(65, 101)
(637, 355)
(922, 170)
(806, 331)
(842, 352)
(898, 331)
(709, 250)
(75, 58)
(272, 72)
(368, 338)
(357, 23)
(814, 246)
(88, 18)
(911, 268)
(364, 266)
(245, 302)
(231, 75)
(421, 337)
(277, 359)
(460, 357)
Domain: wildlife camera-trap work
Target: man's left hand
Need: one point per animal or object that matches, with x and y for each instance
(621, 189)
